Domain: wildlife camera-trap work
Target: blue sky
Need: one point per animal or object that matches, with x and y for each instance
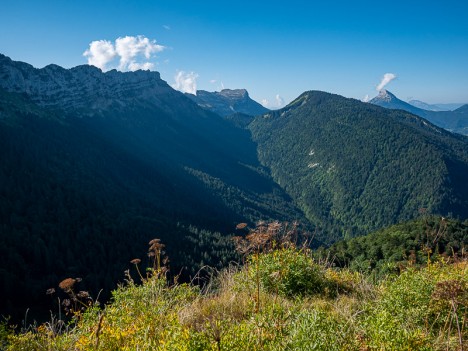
(275, 49)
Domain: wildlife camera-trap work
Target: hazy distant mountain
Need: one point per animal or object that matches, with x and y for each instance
(425, 106)
(435, 107)
(454, 121)
(354, 167)
(449, 107)
(227, 102)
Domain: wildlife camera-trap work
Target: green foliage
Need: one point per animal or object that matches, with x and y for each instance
(289, 272)
(388, 250)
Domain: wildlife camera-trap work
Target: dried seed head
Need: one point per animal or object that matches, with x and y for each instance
(156, 247)
(241, 226)
(83, 295)
(135, 261)
(50, 291)
(154, 241)
(67, 284)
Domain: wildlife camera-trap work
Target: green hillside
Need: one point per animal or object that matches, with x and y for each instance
(353, 167)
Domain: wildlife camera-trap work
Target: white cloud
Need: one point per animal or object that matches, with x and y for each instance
(166, 27)
(265, 102)
(279, 101)
(387, 78)
(213, 81)
(186, 82)
(100, 53)
(129, 49)
(366, 98)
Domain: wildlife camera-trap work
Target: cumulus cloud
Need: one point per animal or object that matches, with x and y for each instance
(130, 48)
(100, 53)
(279, 101)
(186, 82)
(387, 78)
(366, 98)
(133, 53)
(265, 102)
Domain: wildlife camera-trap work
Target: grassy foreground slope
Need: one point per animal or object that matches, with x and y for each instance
(281, 299)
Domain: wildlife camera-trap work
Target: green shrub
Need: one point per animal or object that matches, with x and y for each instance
(294, 273)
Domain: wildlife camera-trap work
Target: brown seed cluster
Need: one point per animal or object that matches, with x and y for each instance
(67, 284)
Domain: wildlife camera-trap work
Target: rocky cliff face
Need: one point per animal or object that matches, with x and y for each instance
(228, 102)
(84, 87)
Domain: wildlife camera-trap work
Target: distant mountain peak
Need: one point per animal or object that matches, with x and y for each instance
(385, 95)
(233, 93)
(388, 100)
(227, 102)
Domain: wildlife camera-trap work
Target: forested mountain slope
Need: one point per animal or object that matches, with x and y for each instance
(354, 167)
(93, 165)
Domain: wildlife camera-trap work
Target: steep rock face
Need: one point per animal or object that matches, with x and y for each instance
(228, 102)
(83, 87)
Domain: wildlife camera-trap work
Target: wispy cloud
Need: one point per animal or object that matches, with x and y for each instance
(387, 78)
(166, 27)
(186, 82)
(279, 101)
(133, 53)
